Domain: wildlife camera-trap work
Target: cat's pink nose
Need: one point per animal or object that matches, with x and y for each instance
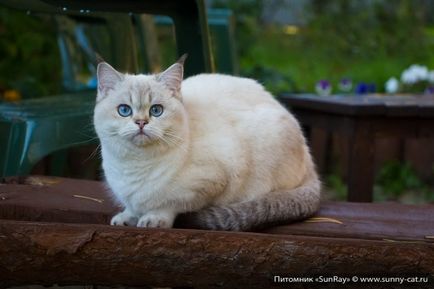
(141, 123)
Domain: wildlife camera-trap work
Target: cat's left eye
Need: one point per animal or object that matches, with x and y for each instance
(125, 110)
(156, 110)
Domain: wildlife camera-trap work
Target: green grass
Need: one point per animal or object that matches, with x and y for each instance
(305, 64)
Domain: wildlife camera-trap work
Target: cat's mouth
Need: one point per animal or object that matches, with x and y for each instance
(141, 137)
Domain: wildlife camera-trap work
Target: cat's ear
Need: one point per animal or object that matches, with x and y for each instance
(172, 77)
(108, 77)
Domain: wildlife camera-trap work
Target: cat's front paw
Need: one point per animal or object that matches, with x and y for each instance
(157, 219)
(124, 218)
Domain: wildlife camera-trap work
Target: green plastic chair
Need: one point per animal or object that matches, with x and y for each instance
(32, 129)
(222, 31)
(221, 24)
(35, 128)
(189, 17)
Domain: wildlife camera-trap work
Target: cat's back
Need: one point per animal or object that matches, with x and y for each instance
(220, 88)
(230, 98)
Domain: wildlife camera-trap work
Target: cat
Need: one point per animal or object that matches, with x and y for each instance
(218, 150)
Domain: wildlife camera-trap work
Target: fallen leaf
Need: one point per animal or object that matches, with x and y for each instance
(41, 181)
(323, 220)
(404, 241)
(88, 198)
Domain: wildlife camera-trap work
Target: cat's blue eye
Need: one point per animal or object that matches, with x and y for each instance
(124, 110)
(156, 110)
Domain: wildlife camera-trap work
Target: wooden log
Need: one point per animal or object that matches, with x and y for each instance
(49, 253)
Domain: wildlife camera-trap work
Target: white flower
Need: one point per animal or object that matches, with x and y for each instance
(408, 77)
(392, 85)
(414, 74)
(431, 76)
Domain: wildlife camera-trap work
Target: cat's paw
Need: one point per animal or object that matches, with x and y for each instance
(124, 218)
(157, 219)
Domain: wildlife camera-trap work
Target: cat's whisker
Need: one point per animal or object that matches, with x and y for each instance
(128, 133)
(159, 134)
(93, 154)
(171, 139)
(175, 138)
(88, 141)
(108, 135)
(168, 139)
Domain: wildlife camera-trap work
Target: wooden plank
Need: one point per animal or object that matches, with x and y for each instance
(55, 199)
(361, 163)
(50, 199)
(49, 253)
(325, 121)
(385, 221)
(343, 105)
(364, 105)
(420, 155)
(382, 127)
(320, 144)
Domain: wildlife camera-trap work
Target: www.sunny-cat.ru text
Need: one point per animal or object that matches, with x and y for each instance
(351, 279)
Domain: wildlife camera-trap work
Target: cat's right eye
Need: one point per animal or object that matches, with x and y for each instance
(125, 110)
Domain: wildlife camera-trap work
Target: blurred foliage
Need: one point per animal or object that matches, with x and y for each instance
(249, 36)
(30, 62)
(336, 187)
(367, 41)
(395, 177)
(398, 181)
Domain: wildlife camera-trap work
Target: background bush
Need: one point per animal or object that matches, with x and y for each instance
(29, 61)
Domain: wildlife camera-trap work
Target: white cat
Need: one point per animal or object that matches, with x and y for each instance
(216, 145)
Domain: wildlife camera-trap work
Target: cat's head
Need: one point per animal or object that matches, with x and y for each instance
(141, 110)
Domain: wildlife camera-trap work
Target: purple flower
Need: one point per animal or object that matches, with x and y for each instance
(345, 85)
(361, 88)
(364, 88)
(323, 87)
(429, 90)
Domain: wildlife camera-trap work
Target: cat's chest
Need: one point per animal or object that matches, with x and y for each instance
(130, 178)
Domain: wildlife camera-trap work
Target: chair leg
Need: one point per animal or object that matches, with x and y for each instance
(15, 145)
(188, 36)
(58, 163)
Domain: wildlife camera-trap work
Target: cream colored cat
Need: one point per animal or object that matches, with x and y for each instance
(217, 145)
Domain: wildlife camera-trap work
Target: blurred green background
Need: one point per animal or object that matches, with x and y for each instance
(287, 45)
(366, 41)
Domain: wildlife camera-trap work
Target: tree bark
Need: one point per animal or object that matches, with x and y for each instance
(49, 253)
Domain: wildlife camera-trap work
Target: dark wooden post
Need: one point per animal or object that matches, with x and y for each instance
(361, 149)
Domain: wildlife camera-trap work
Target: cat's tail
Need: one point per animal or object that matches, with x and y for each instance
(275, 208)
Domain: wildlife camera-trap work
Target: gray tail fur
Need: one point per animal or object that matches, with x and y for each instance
(275, 208)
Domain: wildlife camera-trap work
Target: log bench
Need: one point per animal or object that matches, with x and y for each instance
(54, 231)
